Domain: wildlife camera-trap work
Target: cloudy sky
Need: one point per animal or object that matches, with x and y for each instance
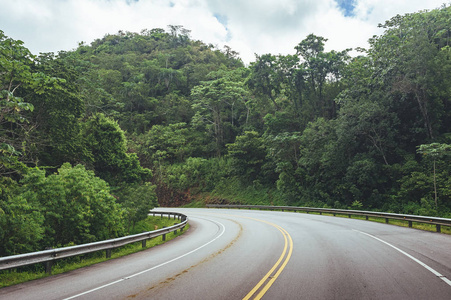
(247, 26)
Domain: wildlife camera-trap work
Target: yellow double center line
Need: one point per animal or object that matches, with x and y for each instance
(270, 277)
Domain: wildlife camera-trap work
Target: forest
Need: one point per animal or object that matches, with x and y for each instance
(91, 139)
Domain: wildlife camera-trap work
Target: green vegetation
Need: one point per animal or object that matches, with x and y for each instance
(91, 138)
(19, 275)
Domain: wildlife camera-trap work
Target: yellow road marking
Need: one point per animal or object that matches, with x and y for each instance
(288, 243)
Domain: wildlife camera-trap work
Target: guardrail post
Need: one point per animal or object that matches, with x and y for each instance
(143, 243)
(349, 215)
(48, 267)
(175, 231)
(163, 237)
(410, 224)
(386, 220)
(108, 253)
(48, 264)
(438, 227)
(366, 218)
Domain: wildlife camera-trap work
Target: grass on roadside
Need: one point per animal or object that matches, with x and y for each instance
(27, 273)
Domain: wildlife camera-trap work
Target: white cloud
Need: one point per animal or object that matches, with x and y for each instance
(248, 26)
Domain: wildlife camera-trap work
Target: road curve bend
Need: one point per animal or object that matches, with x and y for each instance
(247, 254)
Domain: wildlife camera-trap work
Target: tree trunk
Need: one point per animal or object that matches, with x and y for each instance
(422, 103)
(435, 188)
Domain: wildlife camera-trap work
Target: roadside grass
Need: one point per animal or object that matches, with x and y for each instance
(234, 191)
(198, 203)
(28, 273)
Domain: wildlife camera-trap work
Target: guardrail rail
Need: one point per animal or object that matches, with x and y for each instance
(48, 256)
(438, 222)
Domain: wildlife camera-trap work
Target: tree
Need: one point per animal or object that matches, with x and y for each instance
(232, 56)
(21, 222)
(77, 206)
(216, 102)
(108, 152)
(164, 143)
(435, 151)
(248, 155)
(179, 35)
(283, 152)
(320, 68)
(136, 201)
(322, 162)
(18, 80)
(372, 125)
(16, 72)
(411, 62)
(264, 79)
(57, 114)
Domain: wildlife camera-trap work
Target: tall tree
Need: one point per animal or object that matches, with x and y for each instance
(19, 80)
(109, 153)
(58, 113)
(248, 155)
(435, 151)
(412, 60)
(320, 68)
(216, 103)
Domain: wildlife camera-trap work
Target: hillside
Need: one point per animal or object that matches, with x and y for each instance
(156, 113)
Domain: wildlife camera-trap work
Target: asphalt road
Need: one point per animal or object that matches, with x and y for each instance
(238, 254)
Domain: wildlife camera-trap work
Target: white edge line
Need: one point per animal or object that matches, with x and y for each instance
(442, 277)
(153, 268)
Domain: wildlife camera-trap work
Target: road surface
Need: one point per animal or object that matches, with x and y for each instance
(242, 254)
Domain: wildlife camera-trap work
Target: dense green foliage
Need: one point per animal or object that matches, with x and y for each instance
(69, 207)
(310, 128)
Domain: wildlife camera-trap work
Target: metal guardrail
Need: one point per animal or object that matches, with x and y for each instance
(48, 256)
(438, 222)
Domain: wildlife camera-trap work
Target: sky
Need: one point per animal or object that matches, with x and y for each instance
(247, 26)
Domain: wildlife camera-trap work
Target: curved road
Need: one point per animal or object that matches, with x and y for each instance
(239, 254)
